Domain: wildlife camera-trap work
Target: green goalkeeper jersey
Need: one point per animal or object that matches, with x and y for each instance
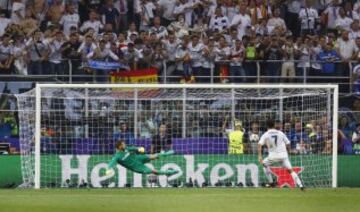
(129, 159)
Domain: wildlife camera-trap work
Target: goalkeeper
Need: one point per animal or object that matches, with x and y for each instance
(128, 158)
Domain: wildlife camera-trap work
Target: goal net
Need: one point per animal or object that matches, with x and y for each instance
(68, 133)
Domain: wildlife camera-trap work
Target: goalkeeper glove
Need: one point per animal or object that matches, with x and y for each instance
(109, 172)
(141, 150)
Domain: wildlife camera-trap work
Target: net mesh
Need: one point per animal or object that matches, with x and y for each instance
(79, 129)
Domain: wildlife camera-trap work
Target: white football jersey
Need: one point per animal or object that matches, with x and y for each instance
(276, 142)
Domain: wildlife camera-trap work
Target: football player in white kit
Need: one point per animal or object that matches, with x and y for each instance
(278, 145)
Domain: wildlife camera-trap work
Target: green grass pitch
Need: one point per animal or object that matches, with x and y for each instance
(176, 200)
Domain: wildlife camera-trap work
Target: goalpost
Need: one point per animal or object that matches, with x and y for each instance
(68, 132)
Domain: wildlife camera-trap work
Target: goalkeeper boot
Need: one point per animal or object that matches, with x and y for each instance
(167, 153)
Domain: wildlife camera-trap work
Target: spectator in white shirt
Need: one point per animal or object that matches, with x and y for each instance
(309, 17)
(241, 20)
(93, 23)
(218, 21)
(170, 45)
(330, 15)
(168, 7)
(195, 49)
(147, 14)
(159, 30)
(70, 19)
(182, 59)
(343, 22)
(18, 11)
(185, 7)
(355, 30)
(4, 23)
(276, 21)
(6, 55)
(237, 72)
(347, 50)
(55, 59)
(102, 53)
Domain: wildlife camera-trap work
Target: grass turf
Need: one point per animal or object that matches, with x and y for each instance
(169, 200)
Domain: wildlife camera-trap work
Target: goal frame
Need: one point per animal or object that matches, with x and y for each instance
(335, 104)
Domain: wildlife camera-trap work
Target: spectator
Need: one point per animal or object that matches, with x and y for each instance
(55, 60)
(159, 30)
(102, 54)
(355, 30)
(182, 59)
(124, 134)
(237, 72)
(356, 140)
(276, 21)
(288, 66)
(110, 15)
(345, 127)
(343, 22)
(254, 137)
(347, 50)
(69, 51)
(330, 15)
(147, 14)
(39, 53)
(161, 141)
(4, 23)
(18, 11)
(92, 23)
(168, 8)
(70, 19)
(195, 49)
(218, 21)
(6, 55)
(122, 8)
(328, 57)
(273, 53)
(309, 18)
(180, 27)
(292, 17)
(185, 7)
(56, 11)
(241, 20)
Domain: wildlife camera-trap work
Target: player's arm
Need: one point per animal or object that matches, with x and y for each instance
(134, 149)
(113, 161)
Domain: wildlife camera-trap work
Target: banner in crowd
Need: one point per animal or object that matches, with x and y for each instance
(149, 75)
(103, 65)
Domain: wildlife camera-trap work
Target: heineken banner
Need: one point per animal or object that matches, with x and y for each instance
(211, 170)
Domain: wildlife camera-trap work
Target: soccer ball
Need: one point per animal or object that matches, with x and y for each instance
(254, 138)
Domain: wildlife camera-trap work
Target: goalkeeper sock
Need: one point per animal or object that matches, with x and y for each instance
(268, 174)
(296, 178)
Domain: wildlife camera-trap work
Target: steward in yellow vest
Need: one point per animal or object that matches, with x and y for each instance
(236, 138)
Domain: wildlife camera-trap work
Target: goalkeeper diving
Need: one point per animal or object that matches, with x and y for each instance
(134, 159)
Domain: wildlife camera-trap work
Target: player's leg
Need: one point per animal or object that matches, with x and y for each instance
(160, 155)
(286, 164)
(266, 167)
(146, 170)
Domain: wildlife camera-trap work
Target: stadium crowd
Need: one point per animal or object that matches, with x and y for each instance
(184, 39)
